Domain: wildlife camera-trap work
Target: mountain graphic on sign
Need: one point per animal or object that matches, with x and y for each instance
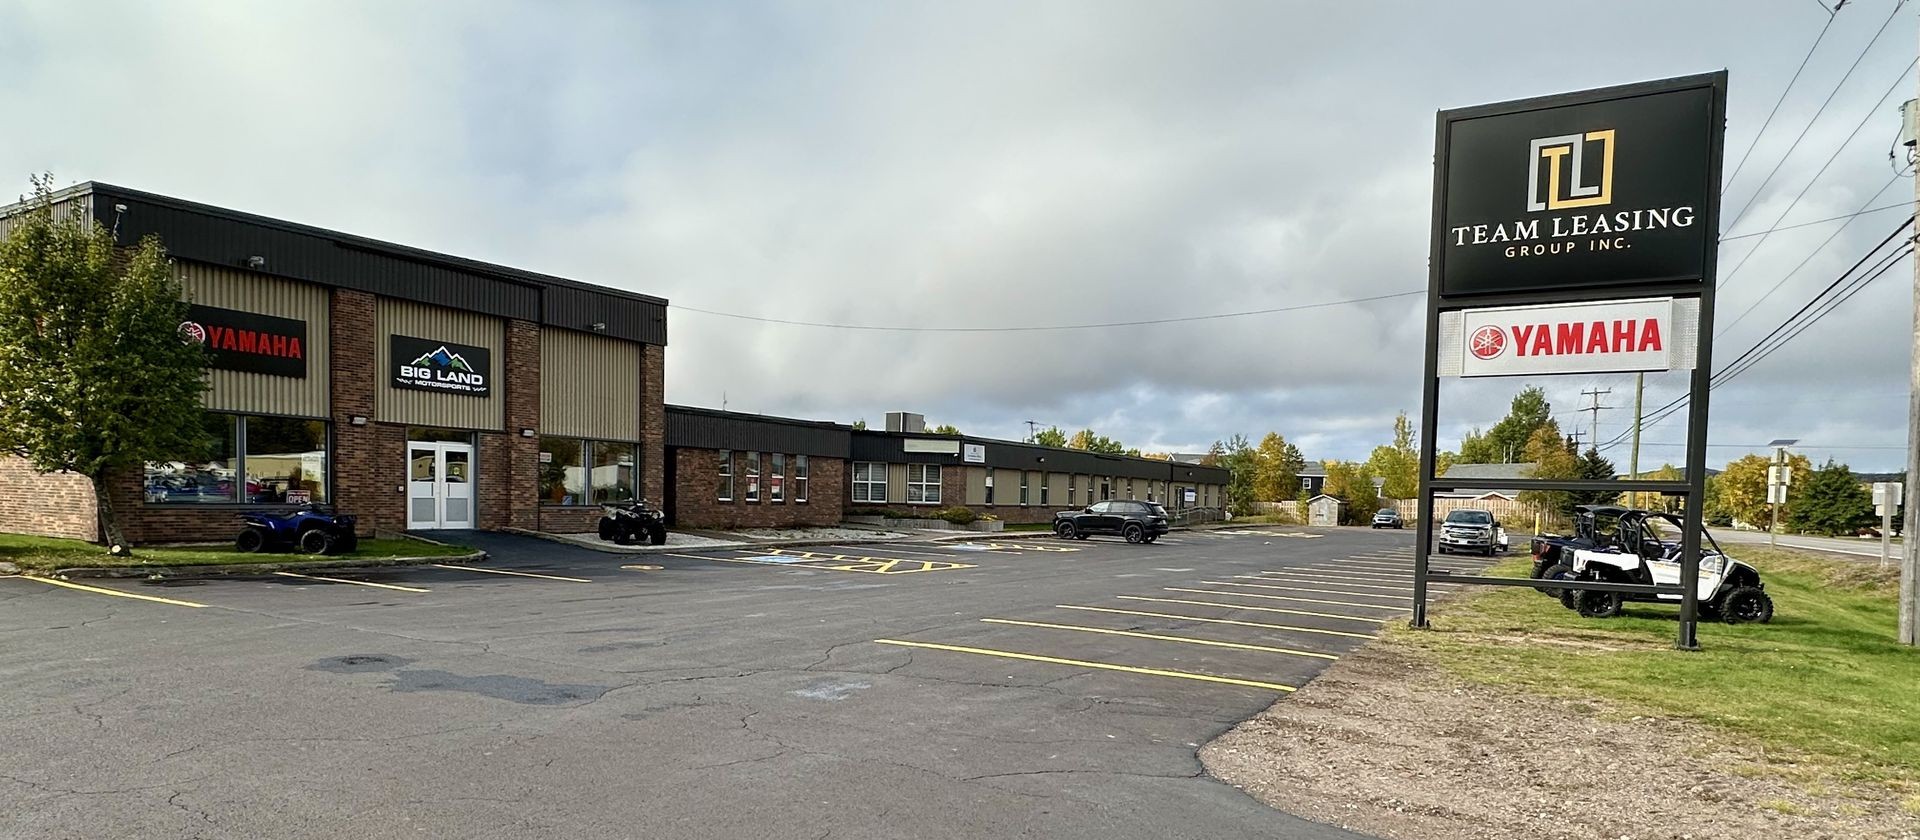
(442, 358)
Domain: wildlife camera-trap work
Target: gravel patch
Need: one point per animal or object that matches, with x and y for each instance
(1384, 744)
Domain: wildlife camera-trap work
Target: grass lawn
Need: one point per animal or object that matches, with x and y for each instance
(1028, 526)
(1825, 678)
(40, 554)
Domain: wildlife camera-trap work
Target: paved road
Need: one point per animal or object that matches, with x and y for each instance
(1833, 545)
(977, 690)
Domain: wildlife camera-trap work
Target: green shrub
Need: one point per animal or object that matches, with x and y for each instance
(958, 515)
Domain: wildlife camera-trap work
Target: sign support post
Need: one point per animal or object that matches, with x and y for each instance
(1577, 234)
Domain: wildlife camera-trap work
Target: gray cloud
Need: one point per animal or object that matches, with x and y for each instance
(978, 164)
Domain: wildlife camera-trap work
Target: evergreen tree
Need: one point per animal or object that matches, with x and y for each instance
(1506, 442)
(1593, 466)
(1831, 502)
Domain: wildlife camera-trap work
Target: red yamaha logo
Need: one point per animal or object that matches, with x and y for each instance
(192, 332)
(1488, 342)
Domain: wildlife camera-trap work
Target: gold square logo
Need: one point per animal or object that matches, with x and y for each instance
(1562, 172)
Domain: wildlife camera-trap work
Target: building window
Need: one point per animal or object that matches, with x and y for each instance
(247, 460)
(1106, 489)
(612, 479)
(777, 478)
(583, 472)
(1306, 483)
(1043, 488)
(799, 478)
(753, 476)
(923, 484)
(870, 482)
(1073, 489)
(726, 475)
(1023, 487)
(989, 485)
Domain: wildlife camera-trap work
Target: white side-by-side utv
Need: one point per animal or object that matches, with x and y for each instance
(1627, 545)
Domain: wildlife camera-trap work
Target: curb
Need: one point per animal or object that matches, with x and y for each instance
(244, 569)
(609, 548)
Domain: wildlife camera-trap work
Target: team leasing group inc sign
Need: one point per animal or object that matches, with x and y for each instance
(427, 365)
(1600, 189)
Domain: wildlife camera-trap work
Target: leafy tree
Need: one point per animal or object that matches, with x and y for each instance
(1594, 466)
(1398, 462)
(1353, 484)
(1676, 504)
(1087, 440)
(1242, 463)
(1740, 492)
(1215, 454)
(1277, 470)
(1552, 458)
(1506, 442)
(944, 429)
(859, 425)
(94, 376)
(1051, 436)
(1831, 502)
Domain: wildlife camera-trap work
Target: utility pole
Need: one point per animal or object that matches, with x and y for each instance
(1596, 408)
(1779, 477)
(1910, 547)
(1633, 461)
(1031, 426)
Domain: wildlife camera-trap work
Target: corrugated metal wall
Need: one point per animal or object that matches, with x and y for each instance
(431, 408)
(589, 386)
(705, 429)
(234, 390)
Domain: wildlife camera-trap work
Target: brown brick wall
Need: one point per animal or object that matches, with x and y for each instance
(574, 519)
(45, 504)
(362, 485)
(696, 501)
(653, 423)
(509, 464)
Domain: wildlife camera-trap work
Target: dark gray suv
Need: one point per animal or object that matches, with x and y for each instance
(1138, 522)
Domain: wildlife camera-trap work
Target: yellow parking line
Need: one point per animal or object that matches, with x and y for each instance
(1248, 607)
(507, 572)
(354, 582)
(1030, 657)
(1218, 621)
(1159, 638)
(1296, 589)
(115, 592)
(894, 550)
(1286, 598)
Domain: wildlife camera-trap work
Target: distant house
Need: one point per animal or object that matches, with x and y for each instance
(1482, 475)
(1313, 478)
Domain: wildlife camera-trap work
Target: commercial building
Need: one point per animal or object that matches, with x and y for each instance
(422, 391)
(415, 389)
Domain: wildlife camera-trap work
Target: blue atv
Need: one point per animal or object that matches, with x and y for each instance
(311, 529)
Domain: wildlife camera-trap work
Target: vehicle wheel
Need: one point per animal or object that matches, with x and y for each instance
(623, 535)
(250, 541)
(1707, 611)
(1598, 604)
(1489, 551)
(1134, 533)
(1080, 536)
(1746, 604)
(346, 543)
(1064, 530)
(316, 541)
(608, 531)
(1443, 550)
(1557, 571)
(1376, 527)
(657, 534)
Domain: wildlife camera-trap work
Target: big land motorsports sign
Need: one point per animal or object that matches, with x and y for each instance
(1589, 194)
(427, 365)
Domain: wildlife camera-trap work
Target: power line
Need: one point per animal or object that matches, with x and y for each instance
(1182, 320)
(1783, 97)
(1755, 198)
(1864, 212)
(1803, 263)
(1898, 80)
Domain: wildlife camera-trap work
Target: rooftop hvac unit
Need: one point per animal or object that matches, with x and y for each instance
(901, 421)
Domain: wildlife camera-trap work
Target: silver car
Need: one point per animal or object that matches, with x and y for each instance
(1388, 518)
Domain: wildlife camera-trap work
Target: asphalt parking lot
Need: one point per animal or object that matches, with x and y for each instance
(1017, 688)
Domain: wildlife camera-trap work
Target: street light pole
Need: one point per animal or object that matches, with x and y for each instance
(1779, 476)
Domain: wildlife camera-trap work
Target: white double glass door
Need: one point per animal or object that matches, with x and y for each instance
(439, 485)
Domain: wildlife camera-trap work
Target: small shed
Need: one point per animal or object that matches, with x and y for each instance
(1324, 510)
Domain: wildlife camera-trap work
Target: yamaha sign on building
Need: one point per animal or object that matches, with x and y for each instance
(1576, 234)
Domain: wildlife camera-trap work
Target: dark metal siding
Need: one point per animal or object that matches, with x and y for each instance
(890, 447)
(227, 238)
(700, 429)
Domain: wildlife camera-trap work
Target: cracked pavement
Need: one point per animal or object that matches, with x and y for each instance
(703, 700)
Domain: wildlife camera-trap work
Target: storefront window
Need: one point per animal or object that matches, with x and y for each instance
(776, 477)
(286, 461)
(563, 473)
(613, 471)
(203, 476)
(725, 461)
(753, 476)
(799, 478)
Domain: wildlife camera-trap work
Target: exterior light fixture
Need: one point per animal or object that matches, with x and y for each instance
(357, 420)
(526, 433)
(599, 326)
(256, 262)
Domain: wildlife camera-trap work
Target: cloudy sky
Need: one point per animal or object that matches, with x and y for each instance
(989, 164)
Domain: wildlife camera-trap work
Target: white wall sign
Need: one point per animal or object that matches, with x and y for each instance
(974, 453)
(1613, 336)
(939, 447)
